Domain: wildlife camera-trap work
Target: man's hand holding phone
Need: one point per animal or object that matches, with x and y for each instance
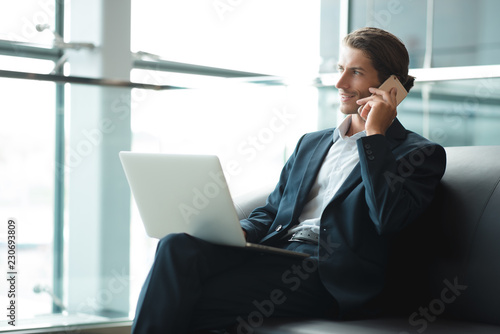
(379, 109)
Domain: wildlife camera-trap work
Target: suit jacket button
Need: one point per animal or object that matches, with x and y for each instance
(278, 228)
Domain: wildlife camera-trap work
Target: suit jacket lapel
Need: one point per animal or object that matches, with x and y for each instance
(395, 134)
(310, 172)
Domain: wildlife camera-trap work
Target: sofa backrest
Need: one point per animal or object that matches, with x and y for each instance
(468, 243)
(245, 203)
(448, 261)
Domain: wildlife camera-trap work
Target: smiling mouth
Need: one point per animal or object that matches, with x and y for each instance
(346, 97)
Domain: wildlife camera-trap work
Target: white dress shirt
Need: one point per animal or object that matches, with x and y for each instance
(338, 164)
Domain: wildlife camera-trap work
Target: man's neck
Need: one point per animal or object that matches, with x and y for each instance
(357, 125)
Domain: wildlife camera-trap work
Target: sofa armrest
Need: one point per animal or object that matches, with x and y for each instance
(245, 204)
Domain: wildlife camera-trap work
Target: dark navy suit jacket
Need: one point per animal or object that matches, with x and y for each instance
(389, 188)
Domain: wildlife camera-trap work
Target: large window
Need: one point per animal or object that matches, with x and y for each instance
(19, 20)
(438, 33)
(27, 157)
(279, 37)
(254, 76)
(27, 132)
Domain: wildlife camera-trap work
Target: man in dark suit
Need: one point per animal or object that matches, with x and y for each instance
(342, 196)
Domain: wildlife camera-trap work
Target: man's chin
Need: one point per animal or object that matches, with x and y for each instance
(348, 111)
(351, 112)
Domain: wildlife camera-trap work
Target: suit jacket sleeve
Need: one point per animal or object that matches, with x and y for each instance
(398, 186)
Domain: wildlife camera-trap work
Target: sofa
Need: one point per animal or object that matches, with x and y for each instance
(444, 273)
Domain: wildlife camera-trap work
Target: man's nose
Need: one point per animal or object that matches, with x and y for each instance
(342, 83)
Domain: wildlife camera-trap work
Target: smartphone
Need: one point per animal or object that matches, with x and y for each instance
(393, 81)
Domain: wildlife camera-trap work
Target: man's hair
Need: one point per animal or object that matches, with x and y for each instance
(387, 53)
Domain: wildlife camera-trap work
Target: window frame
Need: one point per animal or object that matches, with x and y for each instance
(427, 74)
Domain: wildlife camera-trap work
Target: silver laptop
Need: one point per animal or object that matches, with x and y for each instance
(186, 194)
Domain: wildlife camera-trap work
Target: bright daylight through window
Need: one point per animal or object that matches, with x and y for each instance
(83, 80)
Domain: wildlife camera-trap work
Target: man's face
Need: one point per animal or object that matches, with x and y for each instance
(356, 76)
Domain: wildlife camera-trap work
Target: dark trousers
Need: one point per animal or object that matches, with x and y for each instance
(195, 285)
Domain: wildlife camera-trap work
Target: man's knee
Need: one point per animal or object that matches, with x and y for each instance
(178, 244)
(173, 241)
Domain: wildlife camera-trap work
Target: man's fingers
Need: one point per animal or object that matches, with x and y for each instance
(364, 110)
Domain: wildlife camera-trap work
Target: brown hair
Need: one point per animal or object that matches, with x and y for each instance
(387, 53)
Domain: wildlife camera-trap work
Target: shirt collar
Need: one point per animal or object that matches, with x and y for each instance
(341, 130)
